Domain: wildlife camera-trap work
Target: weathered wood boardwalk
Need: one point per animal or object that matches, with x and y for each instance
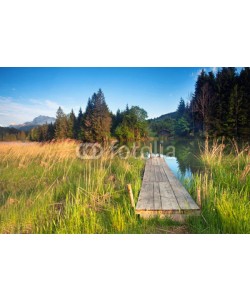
(162, 193)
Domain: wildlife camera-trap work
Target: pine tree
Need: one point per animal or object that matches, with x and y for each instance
(211, 120)
(181, 108)
(61, 125)
(72, 125)
(226, 111)
(234, 112)
(198, 123)
(97, 119)
(101, 118)
(80, 125)
(226, 79)
(203, 106)
(116, 120)
(88, 121)
(244, 109)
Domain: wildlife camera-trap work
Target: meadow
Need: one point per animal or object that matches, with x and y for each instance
(46, 188)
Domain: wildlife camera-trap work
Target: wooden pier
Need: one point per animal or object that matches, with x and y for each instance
(162, 193)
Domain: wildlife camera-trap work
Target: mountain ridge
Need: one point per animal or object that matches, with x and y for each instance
(37, 121)
(171, 115)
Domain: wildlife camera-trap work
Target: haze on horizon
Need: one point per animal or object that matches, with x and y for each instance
(26, 93)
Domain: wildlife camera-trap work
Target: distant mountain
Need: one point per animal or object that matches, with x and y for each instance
(171, 115)
(40, 120)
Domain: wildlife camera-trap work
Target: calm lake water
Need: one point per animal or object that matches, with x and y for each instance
(174, 165)
(181, 155)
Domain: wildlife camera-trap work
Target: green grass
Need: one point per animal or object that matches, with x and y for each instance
(225, 191)
(47, 189)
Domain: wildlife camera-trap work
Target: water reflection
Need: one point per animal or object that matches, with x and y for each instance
(180, 154)
(186, 160)
(175, 167)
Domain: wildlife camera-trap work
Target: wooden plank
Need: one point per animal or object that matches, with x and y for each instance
(163, 174)
(146, 197)
(150, 196)
(152, 174)
(146, 173)
(182, 190)
(168, 198)
(184, 199)
(157, 196)
(158, 175)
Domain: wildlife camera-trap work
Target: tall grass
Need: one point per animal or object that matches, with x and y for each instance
(224, 189)
(45, 188)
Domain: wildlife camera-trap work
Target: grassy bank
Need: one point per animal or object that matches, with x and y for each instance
(224, 189)
(45, 188)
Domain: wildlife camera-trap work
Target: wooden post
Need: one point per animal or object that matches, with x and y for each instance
(199, 197)
(150, 145)
(130, 192)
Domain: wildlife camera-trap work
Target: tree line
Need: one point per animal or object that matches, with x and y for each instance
(178, 124)
(219, 106)
(96, 124)
(12, 134)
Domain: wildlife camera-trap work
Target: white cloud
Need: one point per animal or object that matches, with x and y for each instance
(214, 70)
(35, 101)
(198, 72)
(51, 104)
(12, 111)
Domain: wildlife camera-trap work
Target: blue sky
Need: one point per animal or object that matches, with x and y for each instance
(28, 92)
